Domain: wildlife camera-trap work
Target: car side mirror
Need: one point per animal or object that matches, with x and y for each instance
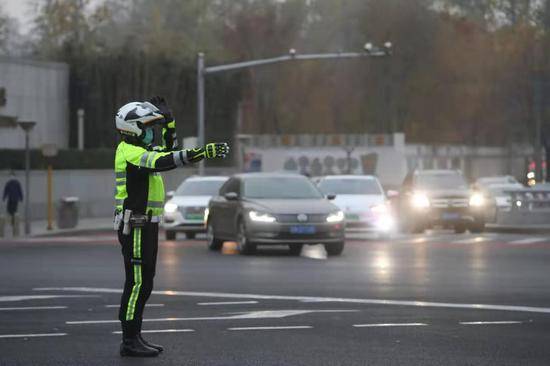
(392, 194)
(331, 196)
(170, 194)
(231, 196)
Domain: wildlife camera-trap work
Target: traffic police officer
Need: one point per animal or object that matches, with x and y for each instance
(139, 203)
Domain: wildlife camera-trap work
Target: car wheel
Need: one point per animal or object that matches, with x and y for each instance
(190, 235)
(477, 227)
(212, 242)
(460, 229)
(170, 235)
(244, 245)
(295, 249)
(334, 248)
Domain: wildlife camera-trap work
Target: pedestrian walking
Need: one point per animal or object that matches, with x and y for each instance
(13, 194)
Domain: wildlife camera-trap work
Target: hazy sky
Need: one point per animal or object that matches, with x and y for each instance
(20, 9)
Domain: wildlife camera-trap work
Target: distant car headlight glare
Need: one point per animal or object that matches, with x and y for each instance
(336, 217)
(477, 200)
(170, 207)
(420, 200)
(380, 209)
(261, 217)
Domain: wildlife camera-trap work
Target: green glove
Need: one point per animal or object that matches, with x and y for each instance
(213, 150)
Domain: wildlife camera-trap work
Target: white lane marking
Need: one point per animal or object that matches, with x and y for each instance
(38, 297)
(492, 322)
(528, 241)
(266, 314)
(390, 325)
(273, 328)
(33, 308)
(32, 335)
(162, 331)
(146, 305)
(528, 309)
(227, 303)
(476, 240)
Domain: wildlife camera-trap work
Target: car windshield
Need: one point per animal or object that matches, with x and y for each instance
(350, 186)
(280, 187)
(199, 188)
(441, 181)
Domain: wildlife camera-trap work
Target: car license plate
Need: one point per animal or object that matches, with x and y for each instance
(194, 216)
(352, 217)
(302, 229)
(450, 216)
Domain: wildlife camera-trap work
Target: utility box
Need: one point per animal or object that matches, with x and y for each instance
(67, 212)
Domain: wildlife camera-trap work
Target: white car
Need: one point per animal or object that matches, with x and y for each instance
(363, 201)
(185, 211)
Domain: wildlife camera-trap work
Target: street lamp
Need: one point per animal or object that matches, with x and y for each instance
(27, 126)
(369, 51)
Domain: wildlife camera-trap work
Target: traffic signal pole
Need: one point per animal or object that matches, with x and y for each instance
(202, 71)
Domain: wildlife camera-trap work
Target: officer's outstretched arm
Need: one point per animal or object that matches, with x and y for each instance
(162, 161)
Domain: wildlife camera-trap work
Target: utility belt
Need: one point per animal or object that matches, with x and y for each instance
(131, 220)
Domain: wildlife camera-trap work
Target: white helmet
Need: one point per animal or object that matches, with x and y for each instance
(132, 116)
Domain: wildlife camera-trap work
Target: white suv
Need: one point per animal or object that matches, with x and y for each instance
(184, 212)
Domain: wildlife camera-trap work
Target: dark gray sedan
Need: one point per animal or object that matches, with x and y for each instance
(273, 209)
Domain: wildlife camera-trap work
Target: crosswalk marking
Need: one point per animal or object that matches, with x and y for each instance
(273, 328)
(492, 322)
(528, 241)
(475, 240)
(32, 335)
(33, 308)
(161, 331)
(375, 325)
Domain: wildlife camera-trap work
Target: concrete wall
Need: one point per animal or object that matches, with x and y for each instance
(35, 91)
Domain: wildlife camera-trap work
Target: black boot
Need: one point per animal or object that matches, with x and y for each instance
(133, 347)
(158, 347)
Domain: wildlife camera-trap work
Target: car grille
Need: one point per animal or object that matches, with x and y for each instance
(192, 210)
(293, 218)
(449, 202)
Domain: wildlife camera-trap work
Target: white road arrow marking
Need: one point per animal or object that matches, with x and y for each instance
(264, 314)
(414, 303)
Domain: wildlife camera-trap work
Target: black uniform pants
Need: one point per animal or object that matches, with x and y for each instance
(139, 250)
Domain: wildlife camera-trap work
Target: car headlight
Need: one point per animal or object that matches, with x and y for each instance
(420, 200)
(170, 207)
(336, 217)
(261, 217)
(477, 200)
(380, 209)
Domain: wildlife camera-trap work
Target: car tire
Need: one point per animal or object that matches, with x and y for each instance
(295, 249)
(243, 243)
(460, 228)
(477, 227)
(212, 242)
(190, 235)
(170, 235)
(334, 248)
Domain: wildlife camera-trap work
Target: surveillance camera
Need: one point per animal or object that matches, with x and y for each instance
(368, 47)
(292, 52)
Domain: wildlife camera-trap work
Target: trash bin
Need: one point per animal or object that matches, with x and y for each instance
(67, 213)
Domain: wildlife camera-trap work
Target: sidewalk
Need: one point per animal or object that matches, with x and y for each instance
(39, 228)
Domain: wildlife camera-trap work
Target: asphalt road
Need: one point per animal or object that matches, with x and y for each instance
(432, 299)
